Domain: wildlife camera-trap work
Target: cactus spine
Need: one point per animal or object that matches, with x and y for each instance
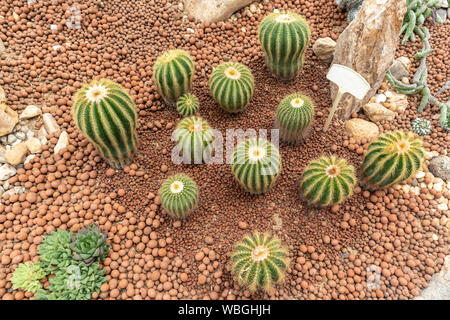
(294, 117)
(259, 261)
(392, 158)
(187, 105)
(232, 86)
(284, 37)
(179, 196)
(173, 73)
(194, 137)
(327, 181)
(106, 115)
(256, 165)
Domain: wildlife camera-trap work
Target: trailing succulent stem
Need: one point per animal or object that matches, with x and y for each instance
(419, 83)
(417, 11)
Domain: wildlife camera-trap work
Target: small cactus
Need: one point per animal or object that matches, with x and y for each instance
(421, 126)
(232, 86)
(392, 158)
(172, 74)
(259, 261)
(179, 196)
(284, 37)
(294, 117)
(195, 138)
(106, 115)
(187, 105)
(256, 165)
(327, 181)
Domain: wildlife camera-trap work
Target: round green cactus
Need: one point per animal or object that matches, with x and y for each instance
(284, 37)
(195, 138)
(256, 165)
(172, 74)
(259, 261)
(327, 181)
(187, 105)
(421, 126)
(106, 115)
(232, 86)
(392, 158)
(294, 117)
(179, 196)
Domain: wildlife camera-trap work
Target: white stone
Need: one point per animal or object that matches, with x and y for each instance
(34, 145)
(420, 175)
(30, 112)
(438, 187)
(62, 143)
(6, 172)
(443, 207)
(380, 98)
(50, 124)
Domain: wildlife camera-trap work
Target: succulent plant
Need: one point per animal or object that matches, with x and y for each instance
(232, 86)
(187, 105)
(259, 261)
(416, 14)
(105, 114)
(76, 281)
(195, 138)
(179, 196)
(89, 244)
(392, 158)
(256, 165)
(55, 251)
(327, 181)
(27, 275)
(284, 37)
(172, 74)
(294, 117)
(421, 126)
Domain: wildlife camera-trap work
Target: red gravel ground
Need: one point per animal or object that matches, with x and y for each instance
(155, 257)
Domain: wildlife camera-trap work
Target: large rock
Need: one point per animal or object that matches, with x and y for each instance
(8, 119)
(377, 112)
(440, 167)
(360, 129)
(16, 154)
(396, 102)
(2, 96)
(368, 46)
(324, 48)
(213, 10)
(30, 112)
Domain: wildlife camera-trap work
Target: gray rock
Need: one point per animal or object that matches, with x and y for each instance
(399, 70)
(442, 13)
(440, 167)
(439, 286)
